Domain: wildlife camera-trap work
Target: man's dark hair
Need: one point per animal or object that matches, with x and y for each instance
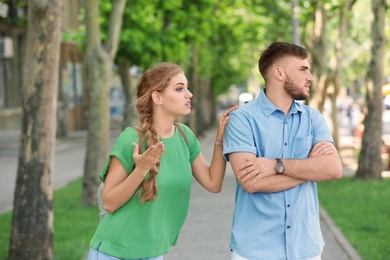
(277, 51)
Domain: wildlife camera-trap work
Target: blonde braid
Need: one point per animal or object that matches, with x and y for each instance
(156, 78)
(149, 186)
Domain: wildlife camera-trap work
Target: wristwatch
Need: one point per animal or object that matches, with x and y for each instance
(279, 166)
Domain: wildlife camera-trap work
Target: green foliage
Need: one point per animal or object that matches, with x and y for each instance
(15, 11)
(361, 210)
(230, 34)
(5, 234)
(77, 37)
(226, 33)
(74, 224)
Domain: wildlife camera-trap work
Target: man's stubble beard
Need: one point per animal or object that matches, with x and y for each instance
(294, 90)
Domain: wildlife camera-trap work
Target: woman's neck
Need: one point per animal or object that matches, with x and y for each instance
(163, 126)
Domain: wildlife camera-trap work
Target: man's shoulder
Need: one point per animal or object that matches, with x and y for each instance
(247, 108)
(306, 109)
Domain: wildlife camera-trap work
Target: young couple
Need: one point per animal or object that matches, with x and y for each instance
(278, 149)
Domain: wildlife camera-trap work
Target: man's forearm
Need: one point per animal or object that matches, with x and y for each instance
(274, 183)
(318, 168)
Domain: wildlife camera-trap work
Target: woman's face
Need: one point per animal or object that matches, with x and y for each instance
(176, 98)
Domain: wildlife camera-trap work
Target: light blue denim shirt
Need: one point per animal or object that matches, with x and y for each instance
(281, 225)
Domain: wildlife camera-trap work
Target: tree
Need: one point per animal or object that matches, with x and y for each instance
(318, 48)
(336, 66)
(370, 162)
(32, 220)
(99, 60)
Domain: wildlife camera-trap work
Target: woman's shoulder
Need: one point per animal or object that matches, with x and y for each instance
(129, 133)
(188, 133)
(186, 129)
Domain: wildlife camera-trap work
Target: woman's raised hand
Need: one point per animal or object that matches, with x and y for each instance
(149, 158)
(223, 119)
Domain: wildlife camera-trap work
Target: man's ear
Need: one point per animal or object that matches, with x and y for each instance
(156, 98)
(278, 72)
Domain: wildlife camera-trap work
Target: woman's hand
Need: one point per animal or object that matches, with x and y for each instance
(148, 160)
(223, 119)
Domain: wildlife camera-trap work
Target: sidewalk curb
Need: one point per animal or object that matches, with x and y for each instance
(348, 248)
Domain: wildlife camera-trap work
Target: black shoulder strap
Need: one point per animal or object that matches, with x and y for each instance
(181, 132)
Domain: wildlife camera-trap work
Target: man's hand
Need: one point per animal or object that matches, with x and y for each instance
(322, 148)
(255, 169)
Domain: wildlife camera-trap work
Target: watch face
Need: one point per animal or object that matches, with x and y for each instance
(279, 167)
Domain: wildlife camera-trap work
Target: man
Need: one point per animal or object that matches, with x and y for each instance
(278, 149)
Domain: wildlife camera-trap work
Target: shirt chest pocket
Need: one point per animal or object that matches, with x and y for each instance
(301, 147)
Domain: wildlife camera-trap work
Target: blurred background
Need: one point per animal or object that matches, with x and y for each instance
(71, 67)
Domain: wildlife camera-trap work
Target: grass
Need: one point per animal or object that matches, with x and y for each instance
(361, 209)
(74, 224)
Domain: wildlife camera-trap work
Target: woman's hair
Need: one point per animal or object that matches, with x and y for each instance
(156, 78)
(277, 51)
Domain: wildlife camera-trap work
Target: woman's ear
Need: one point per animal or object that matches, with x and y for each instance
(156, 97)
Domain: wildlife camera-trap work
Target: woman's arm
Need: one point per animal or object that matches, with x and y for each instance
(119, 186)
(211, 177)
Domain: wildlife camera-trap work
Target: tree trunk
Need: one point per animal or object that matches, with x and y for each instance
(194, 83)
(336, 67)
(206, 103)
(130, 116)
(99, 59)
(370, 161)
(319, 62)
(32, 219)
(295, 22)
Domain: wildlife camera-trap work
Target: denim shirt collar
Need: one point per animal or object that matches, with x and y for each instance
(268, 108)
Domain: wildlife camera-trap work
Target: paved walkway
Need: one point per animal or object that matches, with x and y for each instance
(206, 233)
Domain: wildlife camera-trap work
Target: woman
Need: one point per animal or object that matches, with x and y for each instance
(147, 195)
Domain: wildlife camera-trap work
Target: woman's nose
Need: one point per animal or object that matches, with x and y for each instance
(189, 94)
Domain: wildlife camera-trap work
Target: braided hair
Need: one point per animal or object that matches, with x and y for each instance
(156, 78)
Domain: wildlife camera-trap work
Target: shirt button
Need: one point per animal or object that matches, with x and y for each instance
(288, 227)
(285, 143)
(288, 205)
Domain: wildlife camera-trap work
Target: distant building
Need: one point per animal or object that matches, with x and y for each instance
(72, 98)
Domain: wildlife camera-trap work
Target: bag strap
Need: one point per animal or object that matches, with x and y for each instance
(181, 132)
(139, 140)
(140, 136)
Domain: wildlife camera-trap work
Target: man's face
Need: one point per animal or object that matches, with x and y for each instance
(298, 78)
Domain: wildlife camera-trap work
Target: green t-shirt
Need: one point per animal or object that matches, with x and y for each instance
(147, 230)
